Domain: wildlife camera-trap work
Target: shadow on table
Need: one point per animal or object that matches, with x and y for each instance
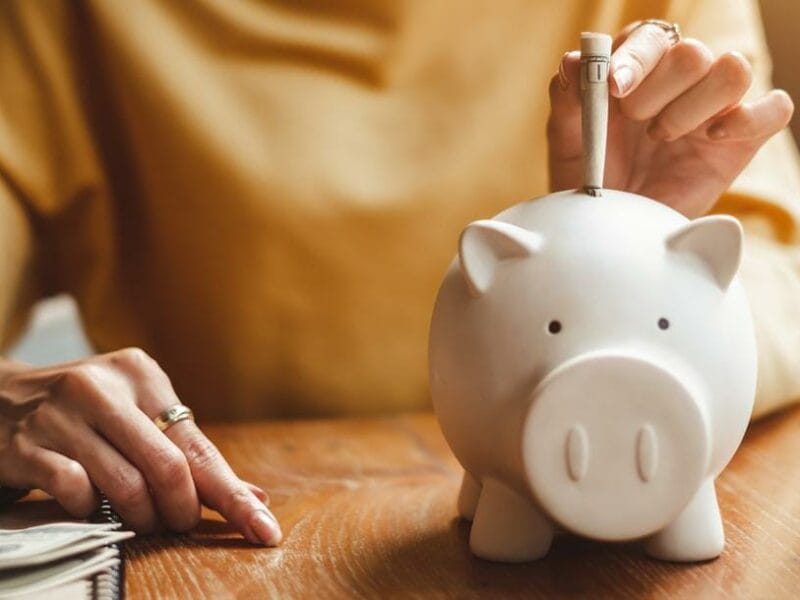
(39, 509)
(440, 564)
(209, 533)
(214, 533)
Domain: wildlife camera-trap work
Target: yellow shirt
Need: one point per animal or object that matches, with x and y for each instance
(265, 195)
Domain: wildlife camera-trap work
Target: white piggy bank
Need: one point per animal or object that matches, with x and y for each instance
(593, 368)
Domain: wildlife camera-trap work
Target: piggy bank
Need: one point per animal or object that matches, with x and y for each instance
(593, 368)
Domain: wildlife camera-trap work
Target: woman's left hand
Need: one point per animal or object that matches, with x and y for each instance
(678, 129)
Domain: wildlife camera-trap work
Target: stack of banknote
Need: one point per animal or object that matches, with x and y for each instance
(58, 560)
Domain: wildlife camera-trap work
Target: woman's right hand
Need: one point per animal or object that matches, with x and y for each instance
(679, 128)
(84, 426)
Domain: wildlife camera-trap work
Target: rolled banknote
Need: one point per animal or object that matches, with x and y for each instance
(595, 58)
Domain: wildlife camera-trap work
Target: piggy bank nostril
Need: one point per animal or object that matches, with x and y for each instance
(646, 452)
(553, 327)
(577, 451)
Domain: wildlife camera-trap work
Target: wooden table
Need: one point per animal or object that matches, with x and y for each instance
(368, 510)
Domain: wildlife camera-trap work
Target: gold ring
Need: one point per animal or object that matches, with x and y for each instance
(673, 29)
(175, 413)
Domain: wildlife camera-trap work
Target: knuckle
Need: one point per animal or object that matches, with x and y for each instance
(83, 387)
(129, 488)
(66, 480)
(133, 358)
(92, 388)
(170, 465)
(201, 453)
(240, 499)
(735, 70)
(135, 361)
(77, 379)
(692, 56)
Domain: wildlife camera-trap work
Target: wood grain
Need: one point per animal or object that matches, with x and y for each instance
(368, 510)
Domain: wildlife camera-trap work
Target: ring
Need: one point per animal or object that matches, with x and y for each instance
(673, 29)
(175, 413)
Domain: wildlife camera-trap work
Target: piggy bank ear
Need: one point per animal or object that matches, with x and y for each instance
(716, 240)
(486, 244)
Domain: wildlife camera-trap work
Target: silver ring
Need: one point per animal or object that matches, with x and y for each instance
(673, 29)
(174, 414)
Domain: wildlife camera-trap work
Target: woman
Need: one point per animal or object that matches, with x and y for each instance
(263, 198)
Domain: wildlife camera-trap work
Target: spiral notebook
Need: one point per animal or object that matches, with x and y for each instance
(109, 585)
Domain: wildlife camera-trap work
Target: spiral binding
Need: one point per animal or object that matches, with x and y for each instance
(110, 584)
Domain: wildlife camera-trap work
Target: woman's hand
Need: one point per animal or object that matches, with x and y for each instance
(79, 427)
(678, 130)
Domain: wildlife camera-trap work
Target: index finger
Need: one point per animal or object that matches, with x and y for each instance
(219, 487)
(636, 57)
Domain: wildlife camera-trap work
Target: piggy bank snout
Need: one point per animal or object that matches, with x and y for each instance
(615, 446)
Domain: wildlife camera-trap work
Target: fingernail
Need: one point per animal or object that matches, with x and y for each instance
(716, 132)
(657, 132)
(265, 526)
(623, 78)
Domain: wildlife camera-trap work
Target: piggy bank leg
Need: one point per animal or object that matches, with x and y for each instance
(508, 527)
(468, 497)
(695, 535)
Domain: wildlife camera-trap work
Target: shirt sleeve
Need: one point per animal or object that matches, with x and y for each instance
(47, 161)
(18, 272)
(766, 199)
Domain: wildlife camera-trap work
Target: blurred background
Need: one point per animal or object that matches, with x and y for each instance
(782, 25)
(54, 333)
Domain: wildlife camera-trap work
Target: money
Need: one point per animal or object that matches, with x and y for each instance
(595, 59)
(16, 544)
(74, 590)
(94, 541)
(56, 557)
(18, 582)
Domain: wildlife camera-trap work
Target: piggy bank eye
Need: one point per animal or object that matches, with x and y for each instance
(663, 323)
(553, 327)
